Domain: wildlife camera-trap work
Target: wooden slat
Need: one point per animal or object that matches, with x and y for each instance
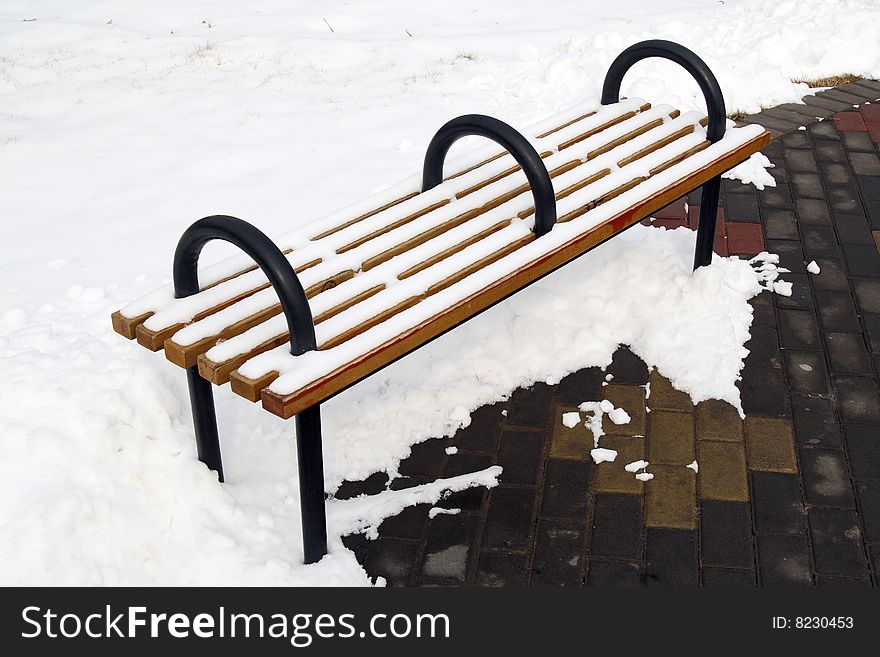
(288, 405)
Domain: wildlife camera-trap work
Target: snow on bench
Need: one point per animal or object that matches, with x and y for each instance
(393, 272)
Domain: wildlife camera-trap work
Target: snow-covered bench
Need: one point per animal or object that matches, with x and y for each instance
(341, 297)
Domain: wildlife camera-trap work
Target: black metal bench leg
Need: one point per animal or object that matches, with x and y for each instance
(201, 398)
(311, 483)
(711, 192)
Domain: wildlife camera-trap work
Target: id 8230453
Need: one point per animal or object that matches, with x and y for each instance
(813, 622)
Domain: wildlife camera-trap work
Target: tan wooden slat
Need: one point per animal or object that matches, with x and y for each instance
(288, 405)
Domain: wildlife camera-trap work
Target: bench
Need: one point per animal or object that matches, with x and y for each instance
(316, 310)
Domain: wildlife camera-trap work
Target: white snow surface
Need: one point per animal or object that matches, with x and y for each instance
(571, 420)
(813, 267)
(123, 123)
(603, 455)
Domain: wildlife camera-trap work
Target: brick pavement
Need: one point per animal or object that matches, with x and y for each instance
(790, 496)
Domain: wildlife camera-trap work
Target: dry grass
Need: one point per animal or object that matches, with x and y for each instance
(832, 80)
(737, 116)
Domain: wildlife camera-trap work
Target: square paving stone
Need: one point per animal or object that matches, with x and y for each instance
(741, 207)
(613, 573)
(815, 422)
(824, 129)
(670, 438)
(872, 331)
(392, 560)
(775, 197)
(798, 329)
(409, 523)
(847, 353)
(670, 499)
(857, 141)
(826, 478)
(482, 434)
(811, 210)
(627, 368)
(865, 164)
(867, 294)
(570, 443)
(665, 397)
(795, 140)
(842, 582)
(853, 229)
(722, 474)
(777, 503)
(728, 578)
(780, 225)
(566, 488)
(857, 399)
(837, 544)
(819, 241)
(426, 459)
(501, 569)
(862, 259)
(763, 348)
(872, 209)
(611, 477)
(784, 561)
(449, 547)
(520, 454)
(800, 159)
(806, 185)
(671, 558)
(764, 312)
(836, 173)
(509, 519)
(843, 198)
(718, 420)
(801, 293)
(583, 385)
(632, 400)
(833, 275)
(559, 554)
(863, 447)
(617, 526)
(763, 391)
(829, 151)
(806, 373)
(770, 445)
(869, 186)
(726, 531)
(868, 493)
(531, 407)
(791, 255)
(837, 312)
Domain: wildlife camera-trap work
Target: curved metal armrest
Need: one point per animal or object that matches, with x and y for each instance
(268, 257)
(517, 145)
(681, 56)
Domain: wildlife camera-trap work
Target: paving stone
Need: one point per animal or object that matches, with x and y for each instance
(426, 459)
(856, 141)
(482, 434)
(671, 558)
(770, 445)
(665, 397)
(869, 187)
(470, 499)
(776, 197)
(617, 526)
(722, 473)
(798, 118)
(801, 293)
(570, 443)
(837, 544)
(559, 554)
(632, 400)
(847, 354)
(611, 477)
(865, 164)
(806, 185)
(780, 225)
(836, 173)
(863, 447)
(858, 90)
(872, 331)
(358, 544)
(857, 399)
(741, 207)
(868, 493)
(843, 198)
(718, 420)
(670, 499)
(810, 112)
(764, 313)
(392, 560)
(842, 582)
(520, 455)
(508, 520)
(784, 561)
(613, 573)
(826, 478)
(583, 385)
(842, 96)
(862, 260)
(745, 238)
(791, 255)
(825, 129)
(372, 485)
(827, 103)
(531, 407)
(837, 312)
(777, 504)
(800, 159)
(819, 241)
(501, 569)
(849, 121)
(867, 293)
(830, 151)
(728, 578)
(833, 275)
(815, 423)
(798, 329)
(853, 229)
(409, 523)
(763, 349)
(449, 547)
(871, 87)
(763, 391)
(627, 368)
(670, 438)
(806, 373)
(566, 487)
(812, 210)
(726, 532)
(777, 126)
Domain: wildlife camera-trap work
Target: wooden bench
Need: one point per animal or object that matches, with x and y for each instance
(343, 296)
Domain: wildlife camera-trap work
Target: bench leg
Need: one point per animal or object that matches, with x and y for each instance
(201, 399)
(311, 483)
(711, 192)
